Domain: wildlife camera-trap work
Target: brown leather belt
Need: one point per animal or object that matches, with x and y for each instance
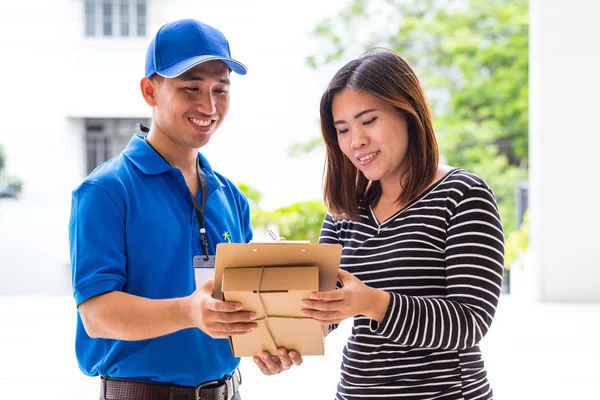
(124, 389)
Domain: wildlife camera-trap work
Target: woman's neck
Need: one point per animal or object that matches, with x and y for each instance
(390, 191)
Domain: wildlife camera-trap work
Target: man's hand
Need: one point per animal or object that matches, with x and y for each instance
(272, 365)
(218, 319)
(354, 298)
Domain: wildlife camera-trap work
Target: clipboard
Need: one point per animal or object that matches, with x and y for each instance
(240, 255)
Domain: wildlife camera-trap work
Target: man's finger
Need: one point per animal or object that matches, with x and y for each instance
(262, 366)
(286, 362)
(272, 365)
(232, 317)
(208, 286)
(295, 357)
(232, 329)
(223, 306)
(218, 335)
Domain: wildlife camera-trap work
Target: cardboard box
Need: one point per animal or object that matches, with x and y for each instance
(274, 294)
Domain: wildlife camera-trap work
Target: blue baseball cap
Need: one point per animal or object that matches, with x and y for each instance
(181, 45)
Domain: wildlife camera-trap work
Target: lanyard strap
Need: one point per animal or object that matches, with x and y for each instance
(200, 209)
(203, 186)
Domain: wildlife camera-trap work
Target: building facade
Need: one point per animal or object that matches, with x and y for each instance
(71, 99)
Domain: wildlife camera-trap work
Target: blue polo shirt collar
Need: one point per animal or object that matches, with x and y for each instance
(147, 160)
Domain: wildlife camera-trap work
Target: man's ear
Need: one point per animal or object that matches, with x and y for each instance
(148, 87)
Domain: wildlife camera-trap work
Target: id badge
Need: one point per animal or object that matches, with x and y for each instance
(203, 269)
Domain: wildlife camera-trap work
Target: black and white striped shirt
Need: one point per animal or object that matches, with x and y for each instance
(441, 258)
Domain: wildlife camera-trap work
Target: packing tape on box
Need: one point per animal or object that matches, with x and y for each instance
(264, 310)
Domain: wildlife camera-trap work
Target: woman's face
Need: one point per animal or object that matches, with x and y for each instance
(372, 134)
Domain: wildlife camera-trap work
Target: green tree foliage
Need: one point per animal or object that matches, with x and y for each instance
(254, 197)
(516, 244)
(298, 221)
(472, 58)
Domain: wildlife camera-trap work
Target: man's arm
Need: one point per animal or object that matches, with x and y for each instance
(98, 262)
(122, 316)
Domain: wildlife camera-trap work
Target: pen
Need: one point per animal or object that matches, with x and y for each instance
(273, 235)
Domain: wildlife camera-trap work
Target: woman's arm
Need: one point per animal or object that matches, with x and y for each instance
(474, 269)
(329, 235)
(474, 266)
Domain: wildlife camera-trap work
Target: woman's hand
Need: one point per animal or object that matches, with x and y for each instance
(354, 298)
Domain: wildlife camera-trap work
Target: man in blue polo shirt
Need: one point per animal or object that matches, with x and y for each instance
(142, 220)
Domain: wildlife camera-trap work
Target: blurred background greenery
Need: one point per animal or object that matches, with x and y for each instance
(472, 57)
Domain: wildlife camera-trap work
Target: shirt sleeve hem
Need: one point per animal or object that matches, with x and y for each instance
(96, 289)
(386, 328)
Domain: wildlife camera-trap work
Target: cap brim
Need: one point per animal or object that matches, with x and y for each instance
(177, 69)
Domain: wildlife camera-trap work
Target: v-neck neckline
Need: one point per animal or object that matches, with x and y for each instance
(412, 203)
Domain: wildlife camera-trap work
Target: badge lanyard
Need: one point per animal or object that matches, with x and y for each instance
(200, 209)
(203, 186)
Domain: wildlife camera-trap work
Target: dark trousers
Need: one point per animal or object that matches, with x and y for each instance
(237, 397)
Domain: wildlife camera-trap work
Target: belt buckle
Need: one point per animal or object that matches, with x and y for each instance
(200, 386)
(229, 385)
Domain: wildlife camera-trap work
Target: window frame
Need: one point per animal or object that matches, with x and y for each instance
(99, 24)
(105, 138)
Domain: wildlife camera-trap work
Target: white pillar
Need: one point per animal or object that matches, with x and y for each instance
(565, 149)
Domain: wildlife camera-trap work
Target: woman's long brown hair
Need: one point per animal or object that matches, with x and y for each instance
(387, 76)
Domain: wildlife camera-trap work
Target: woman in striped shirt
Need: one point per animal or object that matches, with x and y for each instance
(423, 246)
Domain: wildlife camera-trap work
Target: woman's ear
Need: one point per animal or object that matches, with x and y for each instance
(148, 88)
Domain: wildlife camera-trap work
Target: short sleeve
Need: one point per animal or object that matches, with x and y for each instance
(328, 233)
(97, 243)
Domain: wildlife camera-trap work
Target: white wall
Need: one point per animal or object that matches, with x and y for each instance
(34, 37)
(60, 74)
(564, 149)
(53, 77)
